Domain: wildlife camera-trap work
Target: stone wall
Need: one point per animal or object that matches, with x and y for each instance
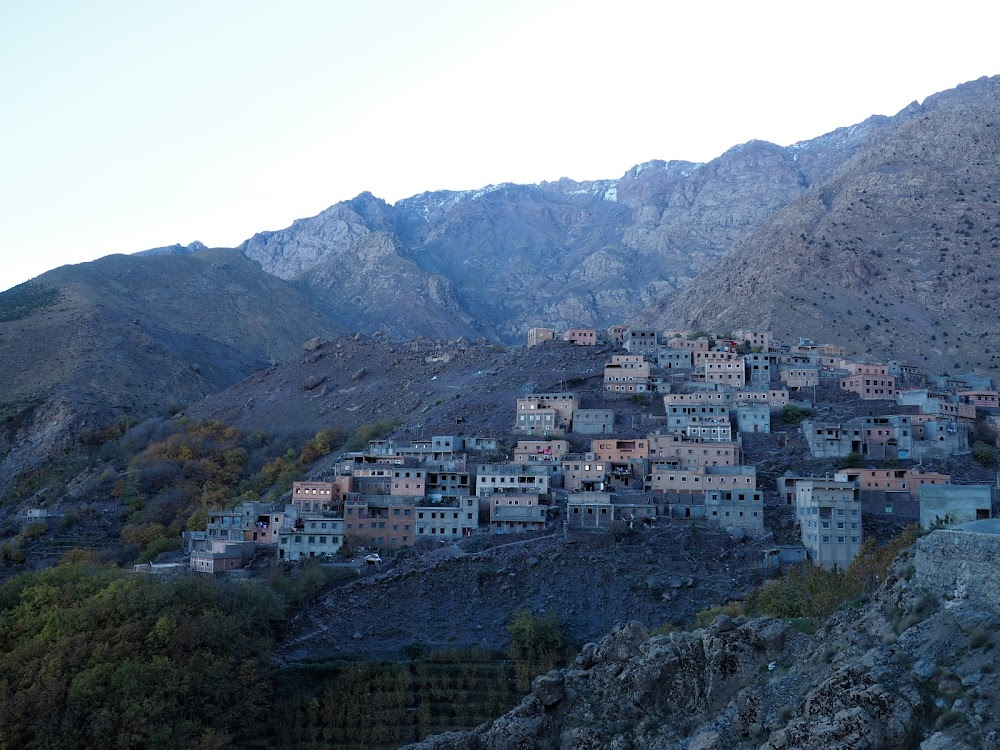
(959, 565)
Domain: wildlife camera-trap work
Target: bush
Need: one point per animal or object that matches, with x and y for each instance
(793, 414)
(853, 460)
(985, 454)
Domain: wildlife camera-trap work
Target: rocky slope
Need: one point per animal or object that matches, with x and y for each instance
(910, 670)
(899, 251)
(133, 336)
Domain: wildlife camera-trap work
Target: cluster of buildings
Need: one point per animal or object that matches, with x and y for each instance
(716, 388)
(575, 462)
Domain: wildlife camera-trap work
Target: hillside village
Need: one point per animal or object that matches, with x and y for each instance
(582, 463)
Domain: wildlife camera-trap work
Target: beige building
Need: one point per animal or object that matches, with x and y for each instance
(891, 480)
(757, 339)
(538, 336)
(619, 451)
(692, 454)
(797, 377)
(409, 481)
(829, 516)
(385, 521)
(545, 413)
(729, 371)
(540, 451)
(580, 336)
(626, 374)
(584, 472)
(314, 496)
(869, 381)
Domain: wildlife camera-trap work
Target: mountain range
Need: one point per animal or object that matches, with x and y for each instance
(883, 237)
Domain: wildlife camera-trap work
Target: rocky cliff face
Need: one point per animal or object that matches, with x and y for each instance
(910, 670)
(897, 251)
(498, 260)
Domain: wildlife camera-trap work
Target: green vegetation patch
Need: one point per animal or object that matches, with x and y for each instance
(95, 657)
(24, 299)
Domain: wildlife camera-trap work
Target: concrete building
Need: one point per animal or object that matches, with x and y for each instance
(545, 413)
(447, 481)
(518, 478)
(667, 479)
(447, 520)
(311, 535)
(668, 358)
(753, 417)
(954, 504)
(691, 454)
(381, 521)
(832, 440)
(775, 398)
(829, 516)
(511, 513)
(640, 341)
(221, 556)
(626, 374)
(584, 472)
(709, 429)
(758, 368)
(594, 421)
(537, 336)
(581, 336)
(681, 415)
(590, 510)
(870, 382)
(735, 510)
(540, 451)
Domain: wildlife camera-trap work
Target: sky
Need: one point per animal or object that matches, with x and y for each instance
(136, 124)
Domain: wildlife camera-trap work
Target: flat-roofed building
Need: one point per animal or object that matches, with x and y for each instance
(829, 516)
(735, 510)
(511, 513)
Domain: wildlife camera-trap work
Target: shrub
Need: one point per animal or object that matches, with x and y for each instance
(853, 460)
(793, 414)
(984, 453)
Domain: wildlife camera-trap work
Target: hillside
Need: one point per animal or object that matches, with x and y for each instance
(898, 253)
(134, 336)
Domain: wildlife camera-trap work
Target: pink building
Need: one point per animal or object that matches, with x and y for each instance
(581, 336)
(870, 382)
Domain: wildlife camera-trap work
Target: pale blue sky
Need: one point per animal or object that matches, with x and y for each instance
(129, 125)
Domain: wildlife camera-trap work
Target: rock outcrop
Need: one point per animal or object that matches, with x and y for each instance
(910, 670)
